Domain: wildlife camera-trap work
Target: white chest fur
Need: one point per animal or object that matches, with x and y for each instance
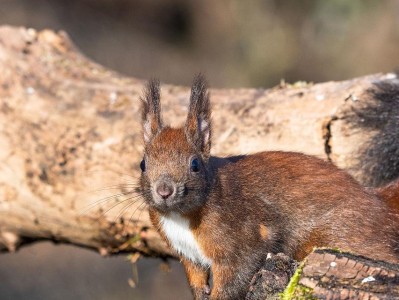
(177, 230)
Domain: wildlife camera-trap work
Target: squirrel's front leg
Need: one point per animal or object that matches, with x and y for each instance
(230, 282)
(198, 279)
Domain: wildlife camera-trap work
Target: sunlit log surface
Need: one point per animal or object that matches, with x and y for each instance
(70, 139)
(331, 274)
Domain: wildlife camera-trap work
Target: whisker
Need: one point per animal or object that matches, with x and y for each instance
(135, 199)
(130, 219)
(125, 208)
(140, 213)
(126, 224)
(180, 210)
(112, 207)
(114, 187)
(134, 194)
(113, 171)
(102, 200)
(125, 174)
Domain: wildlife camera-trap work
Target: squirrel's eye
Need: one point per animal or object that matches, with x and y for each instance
(195, 166)
(142, 165)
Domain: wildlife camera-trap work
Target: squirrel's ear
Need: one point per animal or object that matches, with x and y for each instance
(151, 110)
(198, 124)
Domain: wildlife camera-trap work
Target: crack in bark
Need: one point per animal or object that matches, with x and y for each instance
(327, 135)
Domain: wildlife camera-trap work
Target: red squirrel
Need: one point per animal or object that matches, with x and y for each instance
(224, 215)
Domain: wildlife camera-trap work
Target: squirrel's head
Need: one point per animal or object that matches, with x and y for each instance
(175, 164)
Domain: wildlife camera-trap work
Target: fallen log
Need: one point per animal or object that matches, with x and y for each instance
(325, 274)
(331, 274)
(71, 142)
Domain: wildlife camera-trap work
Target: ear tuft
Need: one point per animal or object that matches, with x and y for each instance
(198, 124)
(151, 110)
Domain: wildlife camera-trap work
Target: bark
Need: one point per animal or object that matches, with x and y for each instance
(330, 274)
(271, 280)
(70, 137)
(325, 274)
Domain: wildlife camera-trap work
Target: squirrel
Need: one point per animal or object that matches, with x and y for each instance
(223, 216)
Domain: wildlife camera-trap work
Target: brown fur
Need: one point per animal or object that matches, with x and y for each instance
(264, 234)
(390, 193)
(241, 208)
(197, 278)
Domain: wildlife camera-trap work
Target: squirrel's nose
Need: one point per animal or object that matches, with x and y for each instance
(164, 190)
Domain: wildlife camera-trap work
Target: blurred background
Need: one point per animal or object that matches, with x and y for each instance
(236, 44)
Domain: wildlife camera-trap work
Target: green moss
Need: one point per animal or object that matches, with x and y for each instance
(294, 290)
(337, 251)
(322, 249)
(303, 292)
(290, 289)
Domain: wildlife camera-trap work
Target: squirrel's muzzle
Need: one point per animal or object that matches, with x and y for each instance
(165, 190)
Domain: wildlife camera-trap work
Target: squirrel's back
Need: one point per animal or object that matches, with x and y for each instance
(307, 202)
